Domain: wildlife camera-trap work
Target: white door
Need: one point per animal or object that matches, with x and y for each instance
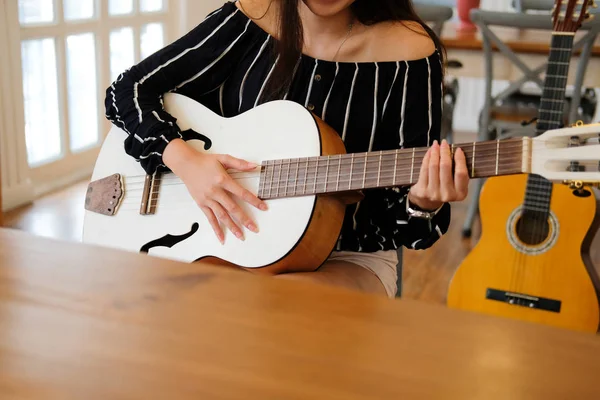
(63, 54)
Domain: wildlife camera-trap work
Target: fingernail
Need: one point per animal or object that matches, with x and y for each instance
(263, 206)
(444, 142)
(253, 228)
(239, 235)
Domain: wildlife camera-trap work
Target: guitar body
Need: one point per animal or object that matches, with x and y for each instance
(558, 269)
(295, 234)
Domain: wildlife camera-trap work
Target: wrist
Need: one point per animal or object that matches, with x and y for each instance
(177, 154)
(424, 204)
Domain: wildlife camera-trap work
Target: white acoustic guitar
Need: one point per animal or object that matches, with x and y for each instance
(305, 176)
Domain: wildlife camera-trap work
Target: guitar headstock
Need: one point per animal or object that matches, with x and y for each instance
(569, 15)
(568, 155)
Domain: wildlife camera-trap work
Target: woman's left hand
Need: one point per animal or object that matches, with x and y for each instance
(436, 184)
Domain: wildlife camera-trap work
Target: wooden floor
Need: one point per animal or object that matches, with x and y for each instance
(426, 273)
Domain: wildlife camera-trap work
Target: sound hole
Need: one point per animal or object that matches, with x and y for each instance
(532, 228)
(170, 240)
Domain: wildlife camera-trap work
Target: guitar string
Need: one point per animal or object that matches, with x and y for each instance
(480, 147)
(564, 57)
(385, 174)
(131, 199)
(292, 185)
(311, 171)
(546, 120)
(540, 223)
(311, 168)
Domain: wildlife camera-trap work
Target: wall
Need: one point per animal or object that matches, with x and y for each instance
(194, 11)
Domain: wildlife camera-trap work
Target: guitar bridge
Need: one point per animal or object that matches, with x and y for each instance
(523, 300)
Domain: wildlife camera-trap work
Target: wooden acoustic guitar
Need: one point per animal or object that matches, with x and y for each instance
(532, 261)
(304, 175)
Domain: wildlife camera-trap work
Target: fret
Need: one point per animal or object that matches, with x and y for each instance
(497, 155)
(316, 174)
(305, 177)
(278, 179)
(365, 170)
(379, 168)
(269, 168)
(396, 169)
(287, 178)
(296, 178)
(351, 167)
(326, 174)
(553, 101)
(473, 161)
(261, 182)
(412, 165)
(337, 181)
(535, 208)
(550, 111)
(556, 76)
(546, 121)
(531, 200)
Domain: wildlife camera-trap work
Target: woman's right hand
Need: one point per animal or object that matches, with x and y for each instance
(211, 187)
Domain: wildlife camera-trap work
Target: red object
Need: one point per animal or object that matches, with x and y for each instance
(464, 8)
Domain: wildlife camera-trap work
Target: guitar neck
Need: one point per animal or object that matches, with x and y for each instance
(385, 169)
(551, 108)
(538, 193)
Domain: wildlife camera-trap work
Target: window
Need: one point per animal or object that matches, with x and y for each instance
(70, 51)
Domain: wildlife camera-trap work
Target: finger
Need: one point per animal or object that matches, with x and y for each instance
(210, 215)
(424, 173)
(234, 209)
(230, 162)
(461, 174)
(434, 170)
(232, 186)
(446, 181)
(225, 218)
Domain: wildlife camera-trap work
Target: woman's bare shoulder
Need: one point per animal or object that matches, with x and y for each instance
(399, 41)
(263, 12)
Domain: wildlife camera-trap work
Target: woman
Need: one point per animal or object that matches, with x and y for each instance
(371, 70)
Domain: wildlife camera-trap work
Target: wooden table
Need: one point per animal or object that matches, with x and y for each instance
(533, 46)
(86, 323)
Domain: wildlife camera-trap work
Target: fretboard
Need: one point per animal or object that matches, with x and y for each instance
(551, 111)
(538, 193)
(394, 168)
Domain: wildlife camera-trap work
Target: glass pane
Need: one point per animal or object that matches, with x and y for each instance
(40, 92)
(78, 9)
(82, 90)
(35, 11)
(120, 7)
(121, 51)
(151, 5)
(152, 39)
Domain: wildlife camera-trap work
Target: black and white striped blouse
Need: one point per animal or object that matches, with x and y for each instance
(225, 62)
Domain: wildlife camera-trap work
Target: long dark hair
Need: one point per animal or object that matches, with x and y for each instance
(367, 12)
